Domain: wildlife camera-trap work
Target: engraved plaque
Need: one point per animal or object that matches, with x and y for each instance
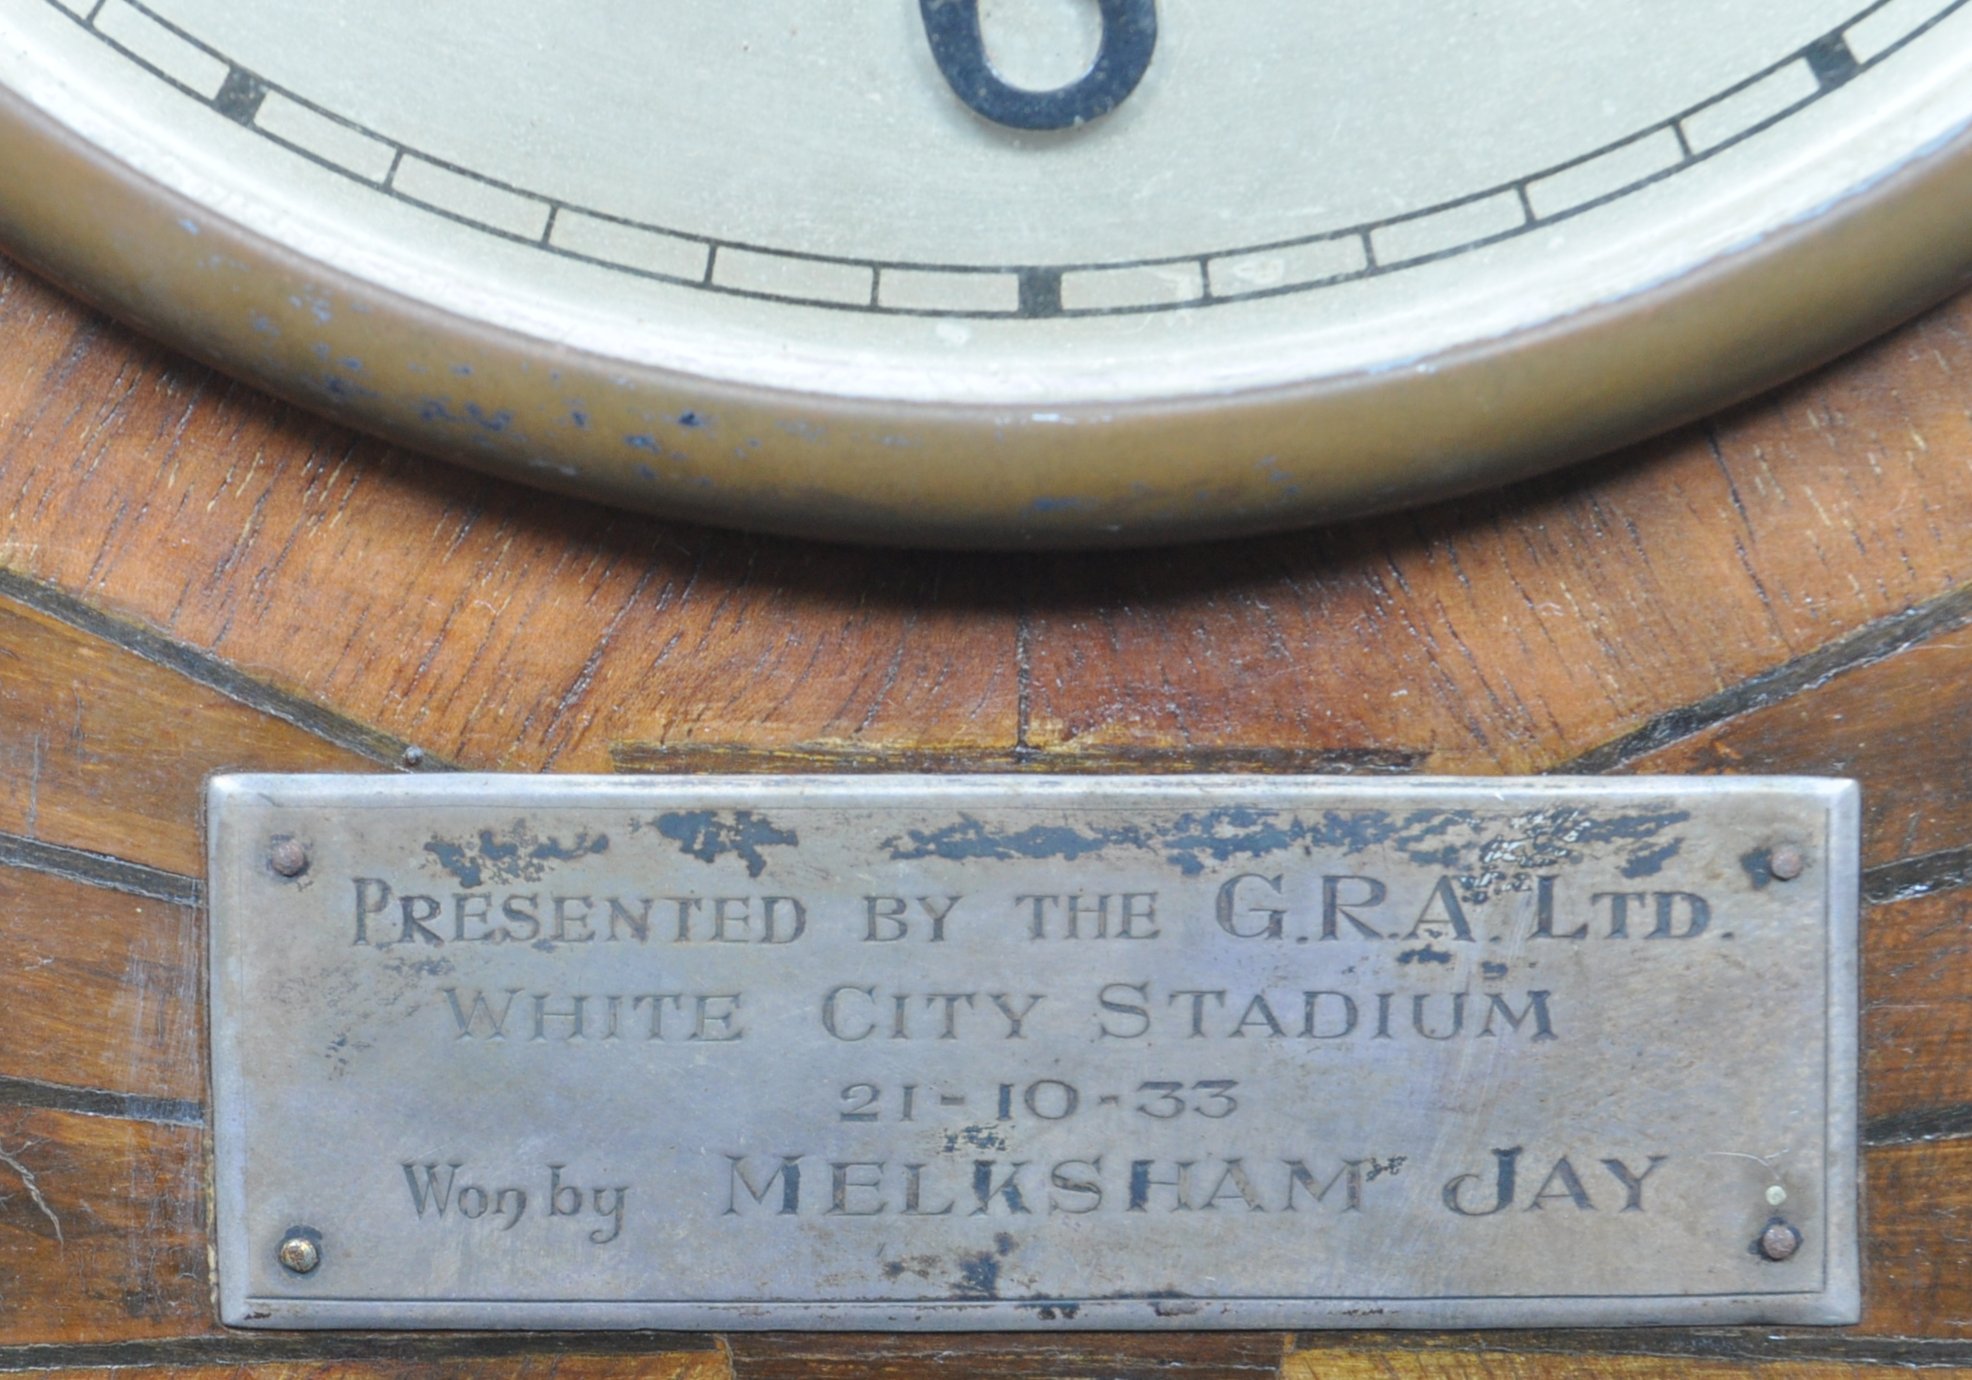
(1033, 1052)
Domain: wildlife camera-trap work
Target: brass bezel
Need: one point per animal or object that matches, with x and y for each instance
(1115, 475)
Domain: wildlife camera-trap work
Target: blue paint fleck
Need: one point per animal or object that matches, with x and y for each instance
(646, 472)
(1426, 954)
(979, 1275)
(580, 418)
(513, 854)
(1058, 505)
(464, 371)
(982, 1137)
(1270, 466)
(1648, 862)
(318, 307)
(691, 420)
(644, 441)
(1451, 840)
(344, 389)
(709, 835)
(438, 410)
(969, 838)
(264, 323)
(189, 226)
(1759, 867)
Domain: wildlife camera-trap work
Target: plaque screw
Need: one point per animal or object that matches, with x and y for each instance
(301, 1251)
(288, 857)
(413, 757)
(1779, 1241)
(1787, 862)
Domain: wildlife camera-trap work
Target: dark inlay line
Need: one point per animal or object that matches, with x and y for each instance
(1744, 1344)
(54, 1097)
(746, 760)
(271, 1348)
(1909, 878)
(1871, 643)
(211, 672)
(98, 869)
(1919, 1125)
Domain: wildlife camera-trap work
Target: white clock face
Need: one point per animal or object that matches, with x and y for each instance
(853, 201)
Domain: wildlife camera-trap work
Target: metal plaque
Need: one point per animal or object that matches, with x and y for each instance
(1018, 1052)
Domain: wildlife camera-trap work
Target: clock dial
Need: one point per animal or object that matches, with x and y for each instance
(998, 270)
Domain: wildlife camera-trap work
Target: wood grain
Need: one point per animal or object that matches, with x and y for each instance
(536, 631)
(1916, 1015)
(1113, 1355)
(1499, 634)
(1917, 1240)
(104, 751)
(702, 1365)
(1512, 632)
(102, 1229)
(1349, 1364)
(102, 988)
(1901, 725)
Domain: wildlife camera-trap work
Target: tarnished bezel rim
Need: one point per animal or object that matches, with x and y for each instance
(976, 476)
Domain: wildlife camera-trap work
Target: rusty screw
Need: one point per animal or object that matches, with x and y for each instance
(288, 857)
(301, 1251)
(1787, 862)
(1779, 1241)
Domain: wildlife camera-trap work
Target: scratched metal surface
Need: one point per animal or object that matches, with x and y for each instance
(1032, 1052)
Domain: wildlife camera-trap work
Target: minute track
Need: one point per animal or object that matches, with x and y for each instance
(1032, 291)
